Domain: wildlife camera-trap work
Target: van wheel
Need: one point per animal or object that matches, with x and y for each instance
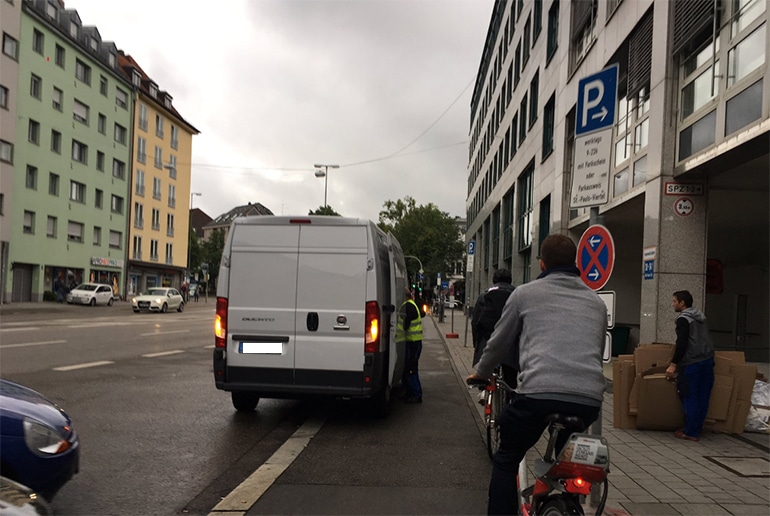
(245, 401)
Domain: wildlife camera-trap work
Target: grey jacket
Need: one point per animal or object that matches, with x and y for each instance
(693, 343)
(560, 326)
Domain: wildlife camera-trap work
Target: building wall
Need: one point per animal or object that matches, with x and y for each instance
(49, 255)
(10, 21)
(649, 150)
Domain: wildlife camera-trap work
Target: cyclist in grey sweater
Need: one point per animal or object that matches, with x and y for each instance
(560, 326)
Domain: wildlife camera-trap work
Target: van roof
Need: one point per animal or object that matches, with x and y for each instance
(323, 220)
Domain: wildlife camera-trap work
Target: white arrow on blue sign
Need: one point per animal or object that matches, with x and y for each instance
(596, 101)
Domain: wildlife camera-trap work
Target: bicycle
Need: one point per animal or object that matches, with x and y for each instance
(561, 483)
(496, 392)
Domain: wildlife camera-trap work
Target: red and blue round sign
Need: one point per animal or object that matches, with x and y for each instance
(596, 256)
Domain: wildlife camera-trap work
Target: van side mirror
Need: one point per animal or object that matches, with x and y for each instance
(388, 309)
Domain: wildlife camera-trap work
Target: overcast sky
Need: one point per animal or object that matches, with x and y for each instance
(380, 87)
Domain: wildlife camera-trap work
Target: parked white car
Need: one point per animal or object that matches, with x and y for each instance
(160, 299)
(91, 294)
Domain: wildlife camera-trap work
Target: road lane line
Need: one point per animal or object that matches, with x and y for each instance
(163, 353)
(19, 329)
(83, 366)
(209, 347)
(162, 333)
(243, 497)
(25, 344)
(98, 324)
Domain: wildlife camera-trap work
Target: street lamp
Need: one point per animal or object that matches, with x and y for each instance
(189, 239)
(325, 174)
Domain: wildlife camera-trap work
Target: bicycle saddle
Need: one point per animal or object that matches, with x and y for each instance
(569, 422)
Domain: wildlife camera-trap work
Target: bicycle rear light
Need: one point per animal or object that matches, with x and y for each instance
(577, 486)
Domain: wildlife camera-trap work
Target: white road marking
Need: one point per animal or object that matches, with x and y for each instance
(98, 324)
(243, 497)
(163, 353)
(25, 344)
(19, 329)
(209, 347)
(163, 333)
(83, 366)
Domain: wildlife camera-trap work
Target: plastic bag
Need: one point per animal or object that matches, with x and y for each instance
(759, 413)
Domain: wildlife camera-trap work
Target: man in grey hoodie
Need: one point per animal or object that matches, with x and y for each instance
(694, 362)
(559, 325)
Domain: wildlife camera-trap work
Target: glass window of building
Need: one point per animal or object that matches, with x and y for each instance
(746, 56)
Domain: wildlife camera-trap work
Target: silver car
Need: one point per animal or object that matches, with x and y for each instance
(159, 299)
(91, 294)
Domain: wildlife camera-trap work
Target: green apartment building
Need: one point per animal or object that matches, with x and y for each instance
(71, 157)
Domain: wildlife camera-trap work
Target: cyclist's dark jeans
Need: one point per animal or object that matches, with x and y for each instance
(521, 425)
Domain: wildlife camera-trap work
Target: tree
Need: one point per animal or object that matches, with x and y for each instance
(425, 232)
(212, 255)
(324, 210)
(196, 252)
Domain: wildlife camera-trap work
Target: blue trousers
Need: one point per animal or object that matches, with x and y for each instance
(694, 384)
(411, 373)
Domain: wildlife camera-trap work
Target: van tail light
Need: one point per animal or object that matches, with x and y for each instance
(372, 329)
(220, 324)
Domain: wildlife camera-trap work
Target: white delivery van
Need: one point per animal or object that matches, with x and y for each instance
(307, 306)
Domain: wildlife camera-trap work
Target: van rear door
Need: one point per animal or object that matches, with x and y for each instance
(261, 318)
(331, 302)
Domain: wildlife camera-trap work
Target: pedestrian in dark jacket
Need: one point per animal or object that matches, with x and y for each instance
(487, 310)
(693, 362)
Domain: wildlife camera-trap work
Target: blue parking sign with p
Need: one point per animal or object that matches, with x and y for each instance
(472, 247)
(597, 96)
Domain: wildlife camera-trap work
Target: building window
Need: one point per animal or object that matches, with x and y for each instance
(142, 117)
(537, 20)
(31, 178)
(118, 169)
(697, 136)
(745, 12)
(526, 42)
(103, 85)
(33, 133)
(158, 126)
(29, 222)
(696, 77)
(517, 65)
(116, 238)
(79, 152)
(100, 161)
(10, 46)
(139, 182)
(175, 134)
(77, 192)
(171, 196)
(746, 56)
(141, 150)
(170, 224)
(154, 250)
(6, 152)
(53, 184)
(56, 141)
(120, 134)
(38, 42)
(50, 230)
(137, 248)
(116, 204)
(549, 113)
(533, 96)
(640, 171)
(155, 219)
(102, 124)
(524, 214)
(36, 87)
(612, 6)
(620, 182)
(169, 253)
(171, 166)
(155, 188)
(582, 30)
(523, 119)
(99, 199)
(121, 98)
(82, 72)
(80, 112)
(138, 215)
(97, 235)
(744, 108)
(58, 99)
(59, 59)
(74, 231)
(158, 157)
(3, 97)
(514, 133)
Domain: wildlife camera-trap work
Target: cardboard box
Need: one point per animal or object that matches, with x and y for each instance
(623, 372)
(659, 407)
(735, 356)
(721, 397)
(648, 356)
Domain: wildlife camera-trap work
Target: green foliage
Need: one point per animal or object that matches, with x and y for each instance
(196, 252)
(212, 253)
(324, 210)
(425, 232)
(49, 295)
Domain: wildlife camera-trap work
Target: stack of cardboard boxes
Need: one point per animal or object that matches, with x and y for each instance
(646, 399)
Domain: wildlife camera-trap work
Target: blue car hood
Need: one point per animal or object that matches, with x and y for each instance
(17, 401)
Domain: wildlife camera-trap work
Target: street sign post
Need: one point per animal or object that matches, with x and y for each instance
(596, 256)
(471, 255)
(595, 117)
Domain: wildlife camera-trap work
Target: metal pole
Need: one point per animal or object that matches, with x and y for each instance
(596, 427)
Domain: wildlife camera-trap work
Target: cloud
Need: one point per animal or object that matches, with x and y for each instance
(275, 86)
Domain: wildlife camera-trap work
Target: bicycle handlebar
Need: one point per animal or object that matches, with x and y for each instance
(477, 381)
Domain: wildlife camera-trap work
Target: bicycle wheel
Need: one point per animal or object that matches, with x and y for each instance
(495, 400)
(561, 506)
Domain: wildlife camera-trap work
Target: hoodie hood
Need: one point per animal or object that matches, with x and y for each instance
(694, 314)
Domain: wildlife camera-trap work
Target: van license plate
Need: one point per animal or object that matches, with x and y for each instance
(261, 348)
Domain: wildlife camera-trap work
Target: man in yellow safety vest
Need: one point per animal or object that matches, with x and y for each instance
(409, 331)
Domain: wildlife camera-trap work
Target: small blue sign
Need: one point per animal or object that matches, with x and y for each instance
(444, 285)
(597, 96)
(420, 276)
(649, 269)
(472, 247)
